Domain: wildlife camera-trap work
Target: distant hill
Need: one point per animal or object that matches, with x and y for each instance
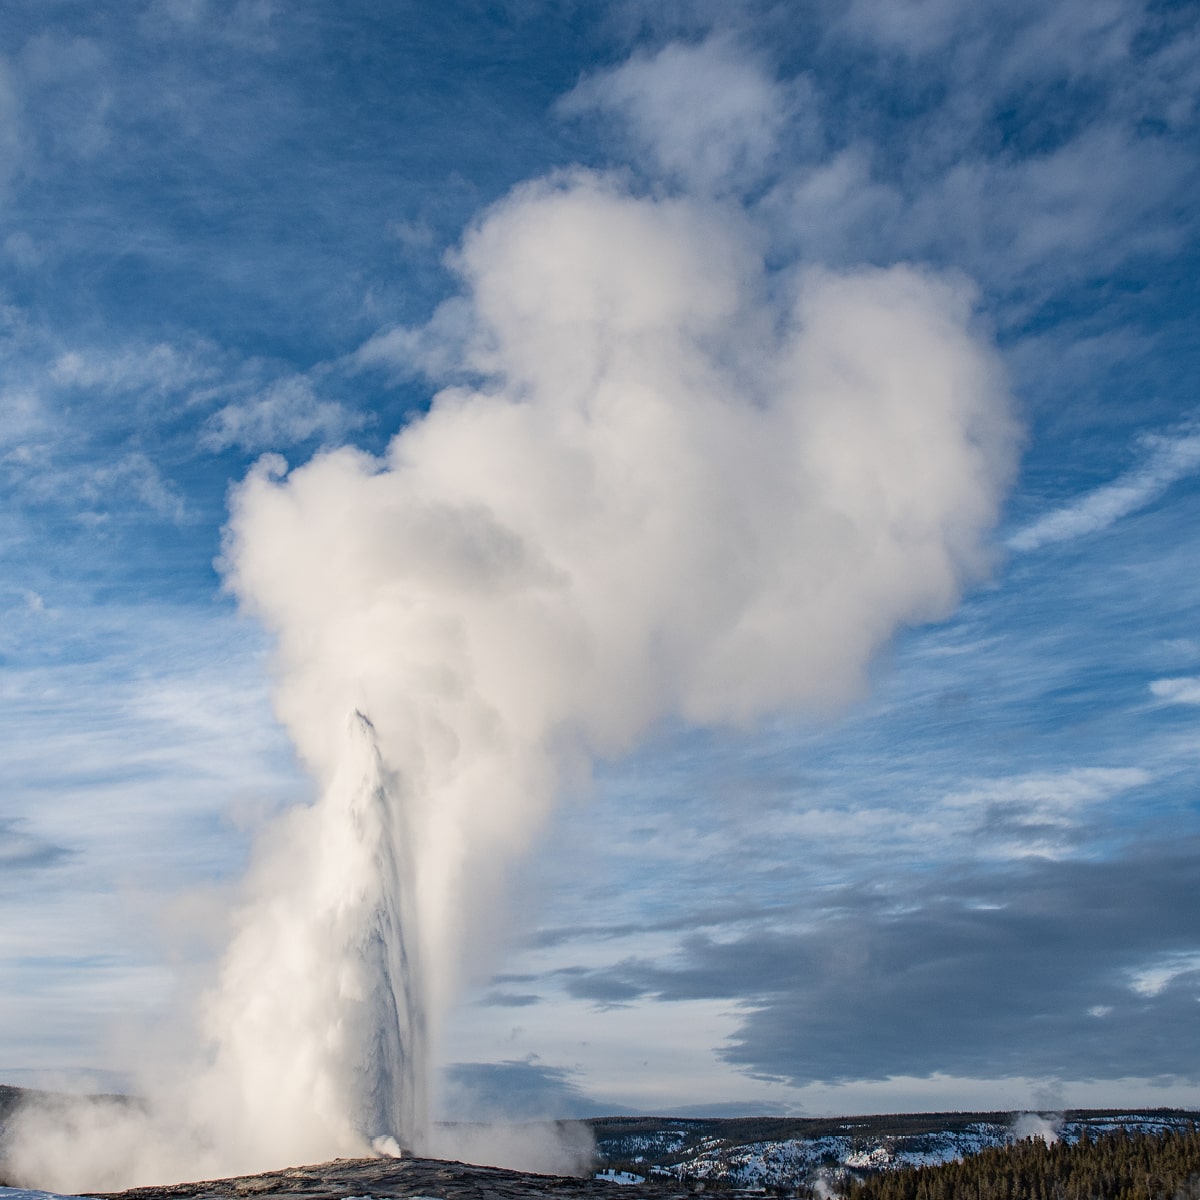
(788, 1152)
(10, 1097)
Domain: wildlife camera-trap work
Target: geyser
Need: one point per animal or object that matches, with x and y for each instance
(317, 1018)
(669, 483)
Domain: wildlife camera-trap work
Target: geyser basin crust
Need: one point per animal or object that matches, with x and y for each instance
(383, 1178)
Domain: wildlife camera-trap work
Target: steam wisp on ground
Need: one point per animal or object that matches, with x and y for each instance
(664, 483)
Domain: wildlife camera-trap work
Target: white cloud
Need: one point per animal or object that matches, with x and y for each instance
(160, 369)
(1108, 185)
(1055, 794)
(23, 419)
(437, 349)
(1028, 816)
(1099, 199)
(837, 210)
(708, 115)
(1185, 690)
(284, 413)
(1154, 979)
(911, 26)
(992, 44)
(1040, 815)
(1168, 459)
(1074, 38)
(133, 476)
(125, 748)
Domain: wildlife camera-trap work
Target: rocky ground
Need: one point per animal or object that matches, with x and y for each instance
(403, 1179)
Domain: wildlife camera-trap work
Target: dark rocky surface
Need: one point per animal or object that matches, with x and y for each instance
(424, 1178)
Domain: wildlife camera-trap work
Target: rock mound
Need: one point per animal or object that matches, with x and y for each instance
(395, 1179)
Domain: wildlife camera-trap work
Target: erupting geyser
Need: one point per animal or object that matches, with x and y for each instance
(318, 1015)
(670, 484)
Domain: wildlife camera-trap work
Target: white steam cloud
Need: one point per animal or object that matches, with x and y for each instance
(1038, 1125)
(684, 486)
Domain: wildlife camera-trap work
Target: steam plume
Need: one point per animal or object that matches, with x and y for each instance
(681, 486)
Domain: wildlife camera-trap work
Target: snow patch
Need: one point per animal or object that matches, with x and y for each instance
(622, 1177)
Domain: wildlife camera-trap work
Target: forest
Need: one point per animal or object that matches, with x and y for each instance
(1113, 1166)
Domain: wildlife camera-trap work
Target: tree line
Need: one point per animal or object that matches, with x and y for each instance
(1112, 1166)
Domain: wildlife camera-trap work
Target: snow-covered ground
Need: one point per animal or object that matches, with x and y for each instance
(782, 1163)
(786, 1162)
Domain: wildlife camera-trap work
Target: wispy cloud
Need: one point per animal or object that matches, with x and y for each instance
(1166, 460)
(134, 476)
(285, 413)
(1040, 816)
(161, 369)
(22, 850)
(1153, 980)
(1183, 690)
(709, 115)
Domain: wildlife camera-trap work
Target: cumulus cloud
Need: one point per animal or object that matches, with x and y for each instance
(1165, 461)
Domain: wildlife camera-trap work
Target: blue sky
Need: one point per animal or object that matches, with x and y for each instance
(230, 227)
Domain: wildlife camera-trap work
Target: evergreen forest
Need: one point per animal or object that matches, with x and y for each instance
(1113, 1166)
